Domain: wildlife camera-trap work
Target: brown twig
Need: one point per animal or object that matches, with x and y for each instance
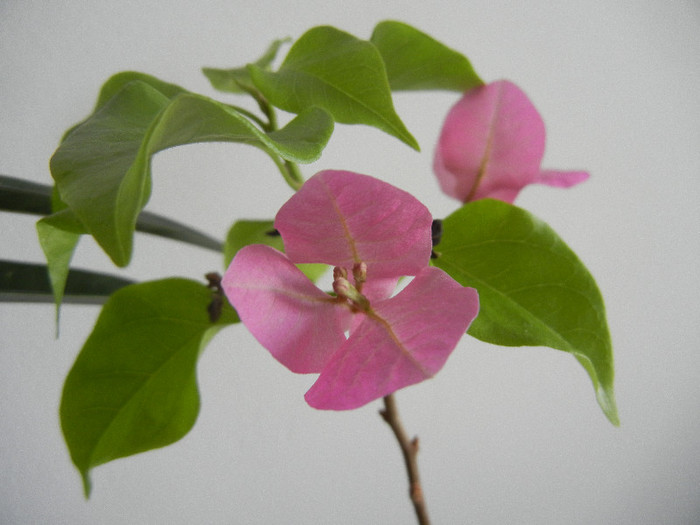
(409, 449)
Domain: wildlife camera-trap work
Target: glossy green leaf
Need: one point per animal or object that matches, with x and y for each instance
(237, 80)
(28, 282)
(416, 61)
(133, 387)
(102, 168)
(532, 288)
(342, 74)
(246, 232)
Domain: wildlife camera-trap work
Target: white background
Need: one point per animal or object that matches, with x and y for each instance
(509, 435)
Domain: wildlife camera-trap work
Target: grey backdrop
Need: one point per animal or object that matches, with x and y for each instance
(509, 435)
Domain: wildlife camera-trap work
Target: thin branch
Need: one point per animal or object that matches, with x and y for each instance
(409, 449)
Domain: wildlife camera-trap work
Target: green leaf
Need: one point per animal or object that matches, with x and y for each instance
(28, 282)
(133, 387)
(22, 196)
(102, 168)
(416, 61)
(245, 232)
(342, 74)
(237, 80)
(58, 236)
(118, 81)
(532, 288)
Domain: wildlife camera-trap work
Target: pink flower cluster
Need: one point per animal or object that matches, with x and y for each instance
(372, 233)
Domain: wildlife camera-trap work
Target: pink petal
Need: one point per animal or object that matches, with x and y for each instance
(491, 145)
(341, 218)
(299, 324)
(407, 340)
(562, 179)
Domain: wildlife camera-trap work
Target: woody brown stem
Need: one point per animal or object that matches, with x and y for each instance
(409, 449)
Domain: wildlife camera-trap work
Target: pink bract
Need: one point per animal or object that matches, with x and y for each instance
(341, 218)
(492, 144)
(404, 340)
(394, 341)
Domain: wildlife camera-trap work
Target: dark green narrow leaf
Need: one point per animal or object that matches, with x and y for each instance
(102, 168)
(27, 282)
(245, 232)
(22, 196)
(416, 61)
(342, 74)
(237, 80)
(133, 386)
(163, 227)
(532, 288)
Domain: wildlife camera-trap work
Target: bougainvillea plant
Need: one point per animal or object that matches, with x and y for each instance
(406, 286)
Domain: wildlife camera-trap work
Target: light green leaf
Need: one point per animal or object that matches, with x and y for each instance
(58, 236)
(245, 232)
(117, 82)
(93, 167)
(237, 80)
(133, 386)
(532, 288)
(28, 282)
(416, 61)
(342, 74)
(102, 168)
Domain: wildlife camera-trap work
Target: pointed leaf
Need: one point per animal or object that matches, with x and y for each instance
(533, 289)
(237, 80)
(102, 168)
(27, 282)
(416, 61)
(334, 218)
(245, 232)
(404, 340)
(133, 386)
(342, 74)
(58, 236)
(298, 323)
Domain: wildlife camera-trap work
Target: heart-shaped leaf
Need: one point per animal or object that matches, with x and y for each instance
(532, 288)
(416, 61)
(102, 168)
(133, 386)
(342, 74)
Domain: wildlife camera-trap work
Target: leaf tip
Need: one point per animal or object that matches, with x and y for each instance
(87, 483)
(606, 400)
